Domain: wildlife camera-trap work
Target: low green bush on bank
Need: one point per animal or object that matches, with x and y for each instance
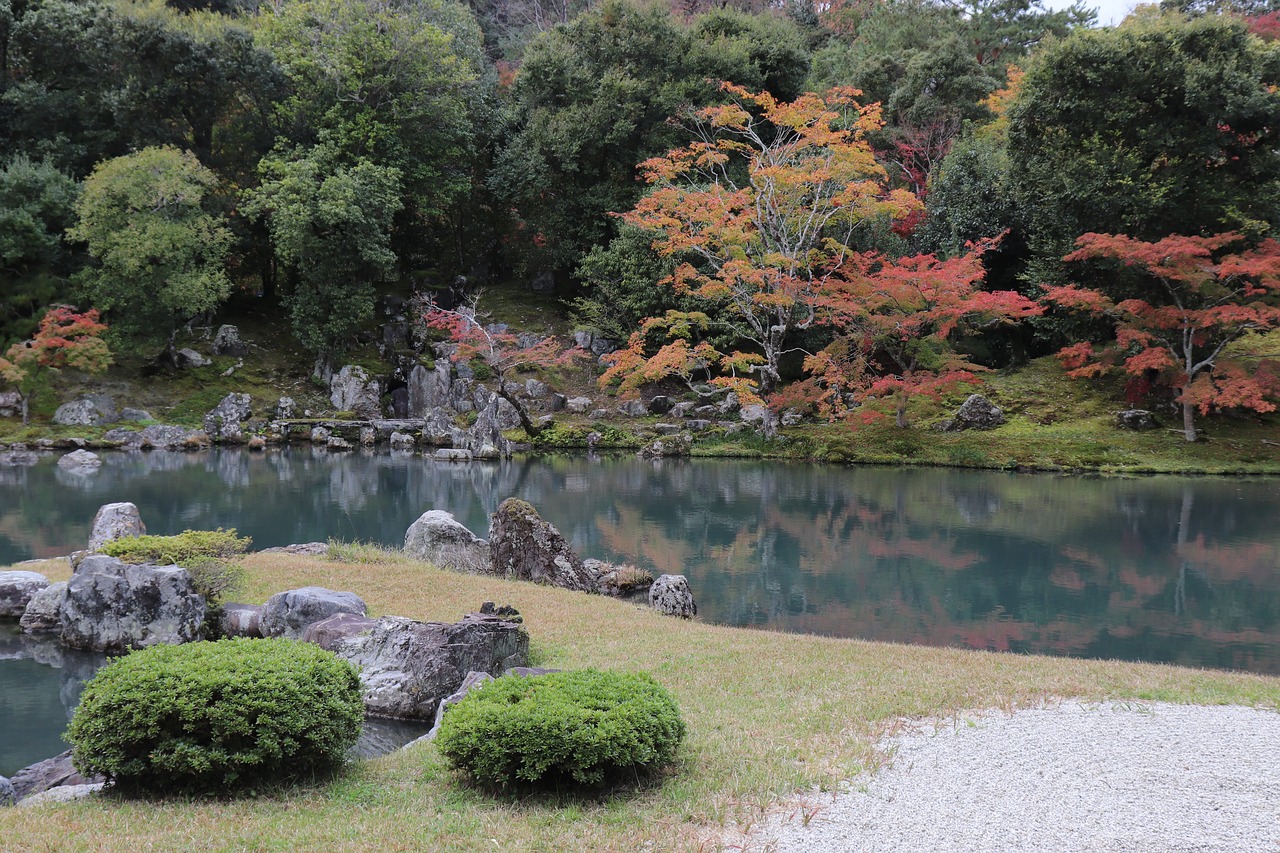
(586, 728)
(217, 717)
(203, 553)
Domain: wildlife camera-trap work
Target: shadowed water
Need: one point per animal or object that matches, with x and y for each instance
(1181, 570)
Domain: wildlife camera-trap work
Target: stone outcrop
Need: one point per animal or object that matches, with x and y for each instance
(240, 620)
(187, 357)
(227, 341)
(1136, 419)
(112, 606)
(670, 595)
(44, 611)
(10, 404)
(222, 423)
(484, 439)
(157, 436)
(329, 632)
(56, 772)
(679, 444)
(115, 521)
(17, 588)
(80, 460)
(437, 537)
(288, 613)
(407, 667)
(7, 795)
(352, 389)
(523, 546)
(87, 411)
(977, 412)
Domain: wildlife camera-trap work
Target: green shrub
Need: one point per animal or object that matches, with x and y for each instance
(586, 728)
(211, 717)
(202, 553)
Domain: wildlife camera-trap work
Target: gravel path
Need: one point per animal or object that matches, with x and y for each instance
(1074, 777)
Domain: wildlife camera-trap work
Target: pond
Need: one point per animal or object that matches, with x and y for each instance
(1165, 569)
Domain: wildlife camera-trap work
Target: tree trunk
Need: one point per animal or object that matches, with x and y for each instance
(531, 429)
(26, 413)
(1188, 419)
(900, 417)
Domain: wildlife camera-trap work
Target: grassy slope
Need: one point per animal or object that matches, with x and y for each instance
(768, 714)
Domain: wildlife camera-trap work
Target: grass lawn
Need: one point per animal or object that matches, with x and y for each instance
(768, 715)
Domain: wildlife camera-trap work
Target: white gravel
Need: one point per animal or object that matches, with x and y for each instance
(1073, 777)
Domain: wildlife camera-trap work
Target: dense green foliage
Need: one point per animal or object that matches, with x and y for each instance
(582, 728)
(203, 553)
(215, 717)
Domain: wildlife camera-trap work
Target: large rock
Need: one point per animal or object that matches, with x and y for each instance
(158, 436)
(352, 389)
(10, 404)
(80, 460)
(407, 667)
(228, 341)
(977, 412)
(112, 606)
(17, 589)
(437, 537)
(187, 357)
(44, 610)
(87, 411)
(288, 613)
(240, 620)
(331, 631)
(485, 439)
(1136, 419)
(51, 773)
(223, 422)
(523, 546)
(670, 594)
(115, 521)
(430, 389)
(7, 795)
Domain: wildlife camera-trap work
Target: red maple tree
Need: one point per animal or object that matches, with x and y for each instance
(501, 351)
(1201, 300)
(65, 338)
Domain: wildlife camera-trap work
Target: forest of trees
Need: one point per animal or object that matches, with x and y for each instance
(804, 202)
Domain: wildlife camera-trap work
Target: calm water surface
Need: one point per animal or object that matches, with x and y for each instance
(1156, 569)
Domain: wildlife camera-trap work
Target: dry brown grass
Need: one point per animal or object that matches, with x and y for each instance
(768, 714)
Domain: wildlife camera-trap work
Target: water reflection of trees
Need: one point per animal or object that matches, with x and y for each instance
(1155, 569)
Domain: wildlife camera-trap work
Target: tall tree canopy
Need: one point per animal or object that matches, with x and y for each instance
(1161, 126)
(158, 244)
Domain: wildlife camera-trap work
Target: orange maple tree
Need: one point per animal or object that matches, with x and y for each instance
(1201, 300)
(65, 338)
(759, 210)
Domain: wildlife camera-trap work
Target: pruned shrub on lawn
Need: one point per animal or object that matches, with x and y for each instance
(212, 717)
(587, 728)
(203, 553)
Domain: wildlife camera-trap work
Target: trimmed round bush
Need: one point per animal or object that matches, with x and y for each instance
(585, 728)
(213, 717)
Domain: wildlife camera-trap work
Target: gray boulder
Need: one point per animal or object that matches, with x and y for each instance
(670, 595)
(128, 414)
(485, 439)
(222, 423)
(320, 435)
(80, 460)
(407, 667)
(352, 389)
(44, 610)
(284, 409)
(288, 613)
(633, 409)
(87, 411)
(437, 428)
(115, 521)
(437, 537)
(10, 404)
(402, 441)
(452, 454)
(523, 546)
(578, 405)
(977, 412)
(1136, 419)
(329, 632)
(62, 794)
(7, 795)
(45, 775)
(186, 357)
(227, 341)
(535, 389)
(430, 389)
(240, 620)
(679, 444)
(660, 405)
(112, 606)
(17, 588)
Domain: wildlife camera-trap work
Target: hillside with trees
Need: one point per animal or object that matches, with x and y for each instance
(851, 212)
